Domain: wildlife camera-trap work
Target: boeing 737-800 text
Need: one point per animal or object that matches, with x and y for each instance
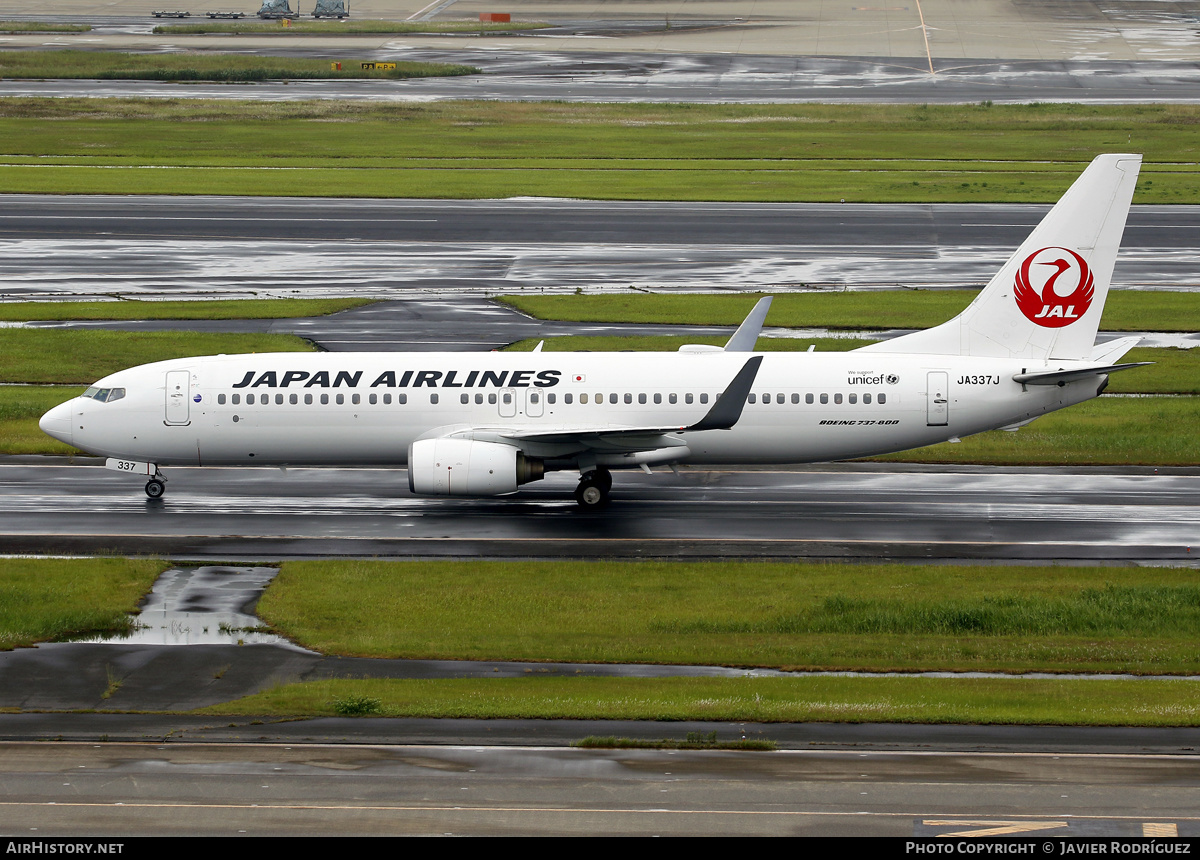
(482, 424)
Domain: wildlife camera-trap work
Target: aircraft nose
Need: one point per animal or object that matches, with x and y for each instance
(57, 423)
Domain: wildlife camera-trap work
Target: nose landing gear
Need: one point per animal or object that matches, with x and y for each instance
(156, 486)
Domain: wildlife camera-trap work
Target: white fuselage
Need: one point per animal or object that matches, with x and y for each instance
(367, 408)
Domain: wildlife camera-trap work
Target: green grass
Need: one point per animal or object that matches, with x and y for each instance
(72, 356)
(973, 701)
(20, 408)
(1125, 310)
(345, 27)
(1028, 153)
(794, 616)
(1109, 431)
(1174, 371)
(132, 309)
(107, 65)
(13, 27)
(43, 600)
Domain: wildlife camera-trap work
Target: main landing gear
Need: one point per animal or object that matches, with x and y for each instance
(593, 488)
(156, 486)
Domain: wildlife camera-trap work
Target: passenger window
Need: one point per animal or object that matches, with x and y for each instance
(433, 398)
(658, 398)
(808, 398)
(534, 397)
(341, 398)
(612, 398)
(249, 398)
(673, 398)
(704, 397)
(567, 398)
(220, 399)
(795, 399)
(882, 398)
(402, 399)
(641, 398)
(550, 398)
(374, 398)
(324, 399)
(583, 398)
(507, 397)
(279, 399)
(687, 398)
(387, 399)
(492, 399)
(478, 399)
(293, 399)
(853, 398)
(308, 400)
(779, 399)
(824, 398)
(237, 398)
(753, 398)
(628, 398)
(866, 398)
(837, 398)
(356, 399)
(464, 399)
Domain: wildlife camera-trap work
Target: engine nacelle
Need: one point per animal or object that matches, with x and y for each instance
(462, 467)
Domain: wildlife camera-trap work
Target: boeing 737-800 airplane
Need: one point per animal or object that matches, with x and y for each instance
(482, 424)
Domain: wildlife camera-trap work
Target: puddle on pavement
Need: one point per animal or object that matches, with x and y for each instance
(208, 605)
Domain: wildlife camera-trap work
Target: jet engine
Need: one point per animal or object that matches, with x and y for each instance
(463, 467)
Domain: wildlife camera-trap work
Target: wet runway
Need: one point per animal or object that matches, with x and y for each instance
(852, 511)
(58, 247)
(299, 789)
(530, 70)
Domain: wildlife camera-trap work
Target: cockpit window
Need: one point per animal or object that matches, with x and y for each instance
(104, 395)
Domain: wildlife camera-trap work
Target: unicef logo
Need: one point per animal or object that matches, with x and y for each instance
(892, 379)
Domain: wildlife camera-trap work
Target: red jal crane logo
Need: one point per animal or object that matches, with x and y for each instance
(1054, 287)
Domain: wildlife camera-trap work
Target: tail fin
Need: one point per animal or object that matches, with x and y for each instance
(1046, 301)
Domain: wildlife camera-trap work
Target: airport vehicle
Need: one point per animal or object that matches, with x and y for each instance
(331, 9)
(272, 9)
(482, 424)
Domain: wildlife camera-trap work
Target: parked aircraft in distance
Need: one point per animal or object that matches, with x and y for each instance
(483, 424)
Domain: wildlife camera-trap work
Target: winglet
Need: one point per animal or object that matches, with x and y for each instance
(746, 336)
(728, 408)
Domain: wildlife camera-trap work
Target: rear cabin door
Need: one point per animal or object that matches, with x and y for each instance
(937, 393)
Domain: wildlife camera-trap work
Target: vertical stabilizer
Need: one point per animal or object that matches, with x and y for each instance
(1046, 301)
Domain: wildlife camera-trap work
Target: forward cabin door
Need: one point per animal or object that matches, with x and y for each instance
(937, 394)
(178, 400)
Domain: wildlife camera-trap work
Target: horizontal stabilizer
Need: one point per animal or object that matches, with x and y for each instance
(1061, 377)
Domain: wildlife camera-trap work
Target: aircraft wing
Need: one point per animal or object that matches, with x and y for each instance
(722, 415)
